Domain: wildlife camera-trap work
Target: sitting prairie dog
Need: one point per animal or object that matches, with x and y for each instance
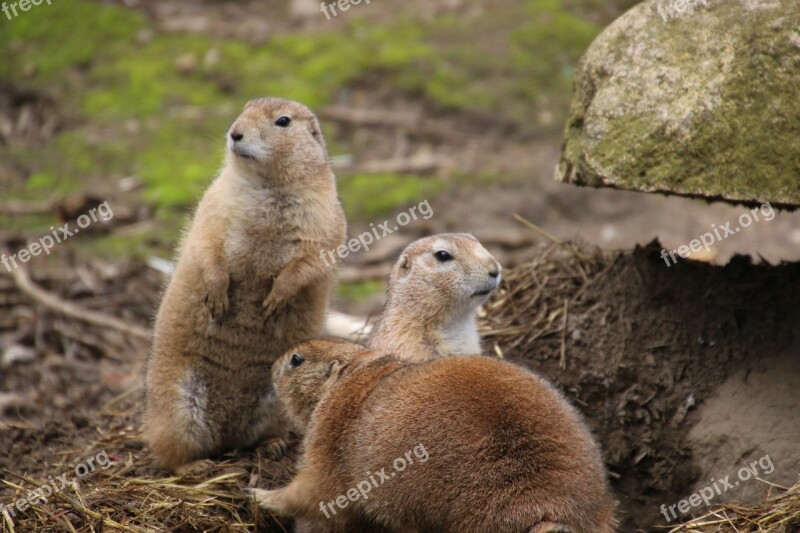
(435, 289)
(249, 284)
(458, 444)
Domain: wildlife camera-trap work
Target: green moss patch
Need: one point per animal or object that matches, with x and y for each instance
(369, 197)
(359, 292)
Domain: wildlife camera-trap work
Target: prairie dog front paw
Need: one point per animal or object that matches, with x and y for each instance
(276, 448)
(268, 500)
(272, 304)
(216, 299)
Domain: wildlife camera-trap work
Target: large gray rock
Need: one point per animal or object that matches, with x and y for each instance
(704, 102)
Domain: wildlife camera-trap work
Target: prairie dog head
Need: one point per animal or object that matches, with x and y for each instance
(304, 373)
(443, 275)
(274, 137)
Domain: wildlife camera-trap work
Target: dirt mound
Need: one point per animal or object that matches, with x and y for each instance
(751, 424)
(637, 345)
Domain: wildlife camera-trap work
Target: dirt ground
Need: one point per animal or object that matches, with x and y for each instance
(652, 356)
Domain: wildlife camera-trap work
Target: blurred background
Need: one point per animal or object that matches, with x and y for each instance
(460, 103)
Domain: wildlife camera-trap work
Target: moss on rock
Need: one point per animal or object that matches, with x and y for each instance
(704, 104)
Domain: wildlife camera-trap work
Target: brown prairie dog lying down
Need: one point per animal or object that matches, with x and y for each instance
(249, 284)
(461, 444)
(435, 289)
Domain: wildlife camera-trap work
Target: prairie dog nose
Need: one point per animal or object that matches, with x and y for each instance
(494, 269)
(236, 136)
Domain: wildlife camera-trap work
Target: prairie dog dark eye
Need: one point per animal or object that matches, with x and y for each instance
(283, 122)
(443, 256)
(296, 360)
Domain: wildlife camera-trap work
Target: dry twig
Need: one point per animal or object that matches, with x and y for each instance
(27, 286)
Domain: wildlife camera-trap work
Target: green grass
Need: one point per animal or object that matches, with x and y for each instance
(65, 34)
(128, 110)
(369, 197)
(359, 292)
(513, 65)
(129, 81)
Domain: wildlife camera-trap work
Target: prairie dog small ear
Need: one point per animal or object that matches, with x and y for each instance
(316, 132)
(335, 368)
(403, 267)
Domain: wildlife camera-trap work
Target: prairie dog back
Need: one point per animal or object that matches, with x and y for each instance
(503, 450)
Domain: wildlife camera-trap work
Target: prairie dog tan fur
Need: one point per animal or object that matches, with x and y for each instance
(249, 284)
(435, 288)
(505, 451)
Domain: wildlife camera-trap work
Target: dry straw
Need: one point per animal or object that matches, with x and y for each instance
(535, 298)
(133, 496)
(779, 514)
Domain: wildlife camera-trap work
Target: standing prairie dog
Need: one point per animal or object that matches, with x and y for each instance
(435, 288)
(249, 284)
(458, 444)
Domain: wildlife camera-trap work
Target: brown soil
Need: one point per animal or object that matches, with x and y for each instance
(753, 417)
(644, 346)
